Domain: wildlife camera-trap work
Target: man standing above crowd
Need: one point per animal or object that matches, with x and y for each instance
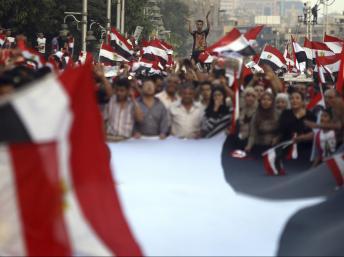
(186, 116)
(155, 116)
(199, 37)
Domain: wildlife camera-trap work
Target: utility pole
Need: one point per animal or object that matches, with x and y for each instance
(84, 24)
(123, 17)
(309, 21)
(118, 18)
(108, 24)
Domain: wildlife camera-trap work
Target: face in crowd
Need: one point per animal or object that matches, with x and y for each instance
(122, 93)
(188, 95)
(172, 85)
(297, 101)
(199, 25)
(148, 88)
(325, 118)
(259, 90)
(206, 92)
(281, 104)
(266, 101)
(219, 97)
(250, 99)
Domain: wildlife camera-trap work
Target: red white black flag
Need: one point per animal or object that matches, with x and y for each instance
(336, 165)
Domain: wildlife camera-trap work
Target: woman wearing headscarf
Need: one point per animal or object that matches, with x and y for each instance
(217, 115)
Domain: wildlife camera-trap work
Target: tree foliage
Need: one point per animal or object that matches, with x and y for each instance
(174, 13)
(32, 16)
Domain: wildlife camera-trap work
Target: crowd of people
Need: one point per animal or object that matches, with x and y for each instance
(193, 103)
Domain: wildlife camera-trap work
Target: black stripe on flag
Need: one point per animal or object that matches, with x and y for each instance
(301, 57)
(273, 66)
(121, 52)
(12, 129)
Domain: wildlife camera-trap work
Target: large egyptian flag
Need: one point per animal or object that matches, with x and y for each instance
(56, 190)
(273, 57)
(233, 41)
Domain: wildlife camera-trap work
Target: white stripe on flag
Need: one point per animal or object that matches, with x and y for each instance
(41, 116)
(272, 58)
(272, 161)
(236, 46)
(112, 56)
(11, 241)
(84, 240)
(156, 51)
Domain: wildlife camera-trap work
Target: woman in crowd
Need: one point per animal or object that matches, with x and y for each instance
(217, 115)
(282, 102)
(292, 125)
(264, 126)
(247, 111)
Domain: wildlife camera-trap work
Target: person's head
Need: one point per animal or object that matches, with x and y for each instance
(188, 93)
(250, 97)
(206, 90)
(282, 102)
(259, 89)
(172, 83)
(8, 32)
(6, 86)
(297, 100)
(219, 95)
(122, 87)
(199, 25)
(159, 83)
(326, 116)
(302, 87)
(330, 97)
(267, 101)
(40, 35)
(148, 88)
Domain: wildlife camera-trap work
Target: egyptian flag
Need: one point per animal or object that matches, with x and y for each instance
(273, 57)
(155, 50)
(109, 55)
(308, 49)
(252, 35)
(273, 159)
(318, 49)
(334, 43)
(170, 52)
(336, 165)
(327, 68)
(206, 57)
(56, 186)
(232, 42)
(121, 45)
(317, 100)
(300, 56)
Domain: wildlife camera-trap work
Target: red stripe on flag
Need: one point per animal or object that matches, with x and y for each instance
(340, 79)
(315, 101)
(40, 199)
(336, 171)
(90, 166)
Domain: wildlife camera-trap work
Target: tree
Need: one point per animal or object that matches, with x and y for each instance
(134, 16)
(174, 13)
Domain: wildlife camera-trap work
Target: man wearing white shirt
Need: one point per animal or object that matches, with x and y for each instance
(170, 95)
(186, 115)
(41, 43)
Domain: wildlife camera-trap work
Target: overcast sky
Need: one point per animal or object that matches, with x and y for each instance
(338, 6)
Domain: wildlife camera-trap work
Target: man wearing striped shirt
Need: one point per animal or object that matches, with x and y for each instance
(122, 113)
